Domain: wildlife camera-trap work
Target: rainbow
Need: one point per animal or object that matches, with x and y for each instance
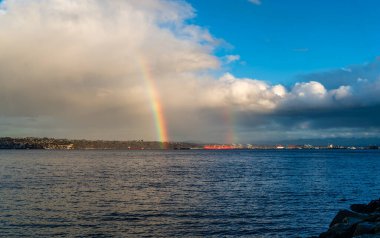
(230, 136)
(155, 104)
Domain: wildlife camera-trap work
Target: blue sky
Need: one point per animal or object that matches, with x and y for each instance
(278, 39)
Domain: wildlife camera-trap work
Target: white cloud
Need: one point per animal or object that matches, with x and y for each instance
(256, 2)
(342, 92)
(310, 90)
(244, 94)
(232, 58)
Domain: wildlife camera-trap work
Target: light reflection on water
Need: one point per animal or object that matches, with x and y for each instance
(180, 193)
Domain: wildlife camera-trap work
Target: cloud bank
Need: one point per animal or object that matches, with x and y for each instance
(79, 69)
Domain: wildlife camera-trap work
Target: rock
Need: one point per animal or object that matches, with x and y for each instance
(364, 228)
(363, 221)
(343, 214)
(368, 236)
(373, 217)
(339, 231)
(377, 227)
(352, 220)
(361, 208)
(374, 205)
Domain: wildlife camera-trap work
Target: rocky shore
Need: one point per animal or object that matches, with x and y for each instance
(361, 221)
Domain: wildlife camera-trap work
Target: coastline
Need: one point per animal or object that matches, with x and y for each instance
(85, 144)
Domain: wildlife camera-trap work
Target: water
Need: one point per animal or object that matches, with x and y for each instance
(181, 193)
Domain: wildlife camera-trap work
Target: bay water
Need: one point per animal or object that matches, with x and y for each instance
(190, 193)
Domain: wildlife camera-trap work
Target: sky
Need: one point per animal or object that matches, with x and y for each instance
(220, 71)
(280, 39)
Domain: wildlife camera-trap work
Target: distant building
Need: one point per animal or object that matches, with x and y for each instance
(218, 147)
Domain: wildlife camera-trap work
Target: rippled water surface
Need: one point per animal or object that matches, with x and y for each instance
(180, 193)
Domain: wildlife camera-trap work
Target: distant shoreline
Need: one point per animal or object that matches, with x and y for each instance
(68, 144)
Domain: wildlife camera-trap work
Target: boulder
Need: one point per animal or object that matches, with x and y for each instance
(373, 217)
(362, 221)
(339, 231)
(368, 236)
(361, 208)
(377, 227)
(364, 228)
(344, 215)
(374, 205)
